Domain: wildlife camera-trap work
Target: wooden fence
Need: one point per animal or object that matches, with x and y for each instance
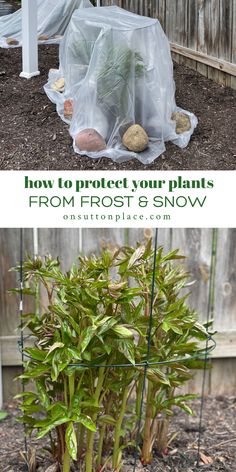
(196, 244)
(202, 33)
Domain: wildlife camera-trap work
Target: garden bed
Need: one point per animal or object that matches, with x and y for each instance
(32, 136)
(218, 441)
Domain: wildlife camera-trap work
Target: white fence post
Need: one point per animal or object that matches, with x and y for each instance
(29, 39)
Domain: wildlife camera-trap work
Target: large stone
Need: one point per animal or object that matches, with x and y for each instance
(43, 37)
(90, 140)
(12, 42)
(183, 122)
(68, 108)
(135, 139)
(59, 85)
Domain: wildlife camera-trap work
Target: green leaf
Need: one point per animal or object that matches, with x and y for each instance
(166, 326)
(46, 426)
(126, 347)
(176, 328)
(26, 420)
(157, 376)
(42, 393)
(186, 408)
(28, 400)
(25, 291)
(25, 394)
(74, 325)
(34, 372)
(136, 256)
(90, 404)
(148, 249)
(107, 419)
(36, 353)
(106, 324)
(200, 328)
(86, 337)
(76, 400)
(87, 422)
(129, 294)
(74, 353)
(58, 409)
(57, 345)
(172, 325)
(178, 400)
(92, 295)
(122, 331)
(71, 441)
(173, 255)
(3, 415)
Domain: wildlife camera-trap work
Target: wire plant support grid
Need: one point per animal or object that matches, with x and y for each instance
(204, 355)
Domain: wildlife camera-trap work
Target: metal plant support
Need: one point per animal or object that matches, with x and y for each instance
(146, 364)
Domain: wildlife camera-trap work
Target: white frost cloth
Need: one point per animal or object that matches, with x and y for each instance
(118, 71)
(53, 19)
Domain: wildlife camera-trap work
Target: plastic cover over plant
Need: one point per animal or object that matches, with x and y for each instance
(117, 71)
(53, 19)
(92, 320)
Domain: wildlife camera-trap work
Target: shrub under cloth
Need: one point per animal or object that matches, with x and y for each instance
(53, 19)
(118, 71)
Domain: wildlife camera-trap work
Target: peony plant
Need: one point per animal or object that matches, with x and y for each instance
(89, 354)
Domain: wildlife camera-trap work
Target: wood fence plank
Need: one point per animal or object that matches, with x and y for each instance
(225, 283)
(223, 378)
(176, 21)
(169, 21)
(205, 59)
(196, 245)
(11, 386)
(225, 344)
(140, 235)
(233, 57)
(191, 31)
(192, 24)
(10, 351)
(63, 243)
(222, 375)
(203, 20)
(213, 36)
(225, 39)
(207, 27)
(94, 240)
(161, 8)
(155, 10)
(194, 386)
(10, 257)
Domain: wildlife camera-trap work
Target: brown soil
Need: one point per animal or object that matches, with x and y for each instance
(15, 4)
(32, 136)
(218, 442)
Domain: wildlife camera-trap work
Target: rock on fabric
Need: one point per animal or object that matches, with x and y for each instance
(53, 19)
(117, 71)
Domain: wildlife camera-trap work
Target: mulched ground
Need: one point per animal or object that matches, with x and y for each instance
(32, 136)
(218, 443)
